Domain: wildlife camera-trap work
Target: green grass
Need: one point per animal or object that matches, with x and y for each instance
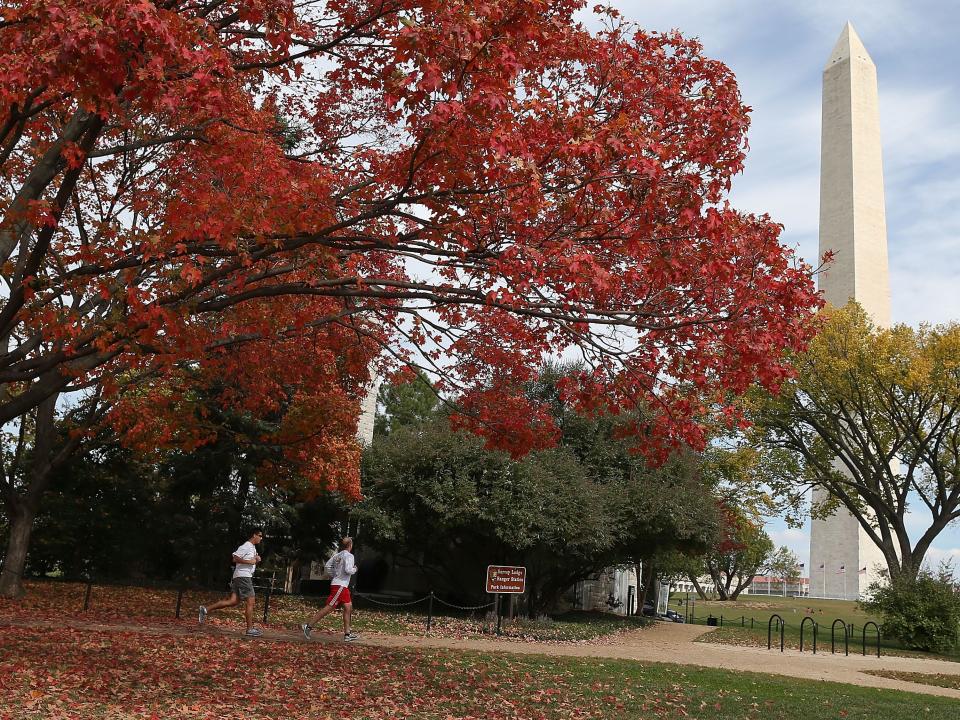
(947, 681)
(87, 674)
(721, 694)
(793, 610)
(761, 607)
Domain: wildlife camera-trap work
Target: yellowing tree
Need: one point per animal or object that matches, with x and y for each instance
(873, 417)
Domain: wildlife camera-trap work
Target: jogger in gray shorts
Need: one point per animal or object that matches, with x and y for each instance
(242, 587)
(245, 560)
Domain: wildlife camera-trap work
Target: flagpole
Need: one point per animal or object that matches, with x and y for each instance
(845, 583)
(824, 568)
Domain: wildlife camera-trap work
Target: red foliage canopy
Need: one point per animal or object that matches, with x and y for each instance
(279, 192)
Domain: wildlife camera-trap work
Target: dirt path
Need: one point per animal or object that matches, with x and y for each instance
(675, 643)
(664, 642)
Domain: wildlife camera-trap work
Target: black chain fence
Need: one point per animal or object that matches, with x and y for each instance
(268, 590)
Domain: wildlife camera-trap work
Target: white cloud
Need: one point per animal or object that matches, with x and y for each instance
(888, 21)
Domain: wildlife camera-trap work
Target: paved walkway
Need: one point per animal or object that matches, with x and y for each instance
(676, 643)
(664, 642)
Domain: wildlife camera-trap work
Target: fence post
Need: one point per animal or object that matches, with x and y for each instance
(179, 601)
(86, 596)
(430, 611)
(266, 602)
(751, 623)
(721, 621)
(497, 602)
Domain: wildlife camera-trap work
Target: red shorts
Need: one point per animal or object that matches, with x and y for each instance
(339, 595)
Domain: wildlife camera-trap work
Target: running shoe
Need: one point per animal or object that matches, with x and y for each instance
(254, 632)
(203, 615)
(350, 637)
(306, 630)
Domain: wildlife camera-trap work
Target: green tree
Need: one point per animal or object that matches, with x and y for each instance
(112, 513)
(923, 613)
(739, 552)
(784, 564)
(405, 403)
(442, 502)
(32, 451)
(439, 501)
(871, 422)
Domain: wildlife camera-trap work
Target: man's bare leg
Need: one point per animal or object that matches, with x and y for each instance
(347, 612)
(248, 611)
(220, 604)
(327, 609)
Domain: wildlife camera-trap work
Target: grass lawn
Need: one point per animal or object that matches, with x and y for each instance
(737, 615)
(761, 607)
(947, 681)
(48, 600)
(85, 674)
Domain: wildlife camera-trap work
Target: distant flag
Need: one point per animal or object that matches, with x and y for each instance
(802, 565)
(842, 569)
(862, 571)
(822, 567)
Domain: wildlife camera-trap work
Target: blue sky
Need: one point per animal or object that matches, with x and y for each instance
(777, 50)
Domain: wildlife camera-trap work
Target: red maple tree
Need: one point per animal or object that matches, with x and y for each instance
(280, 192)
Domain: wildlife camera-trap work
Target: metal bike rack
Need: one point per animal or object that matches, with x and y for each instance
(815, 629)
(770, 630)
(846, 636)
(877, 627)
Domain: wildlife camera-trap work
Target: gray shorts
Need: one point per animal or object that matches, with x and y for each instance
(242, 587)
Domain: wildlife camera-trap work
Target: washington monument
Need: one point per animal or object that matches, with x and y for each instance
(843, 560)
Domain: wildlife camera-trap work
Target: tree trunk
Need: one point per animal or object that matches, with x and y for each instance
(21, 526)
(742, 584)
(720, 585)
(649, 581)
(22, 507)
(696, 586)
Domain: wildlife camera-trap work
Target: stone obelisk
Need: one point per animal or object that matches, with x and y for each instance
(853, 226)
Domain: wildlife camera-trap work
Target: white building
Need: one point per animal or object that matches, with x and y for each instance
(613, 589)
(769, 585)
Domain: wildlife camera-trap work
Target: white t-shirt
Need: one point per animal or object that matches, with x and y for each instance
(247, 551)
(341, 566)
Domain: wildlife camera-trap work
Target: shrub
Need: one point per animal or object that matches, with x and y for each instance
(924, 614)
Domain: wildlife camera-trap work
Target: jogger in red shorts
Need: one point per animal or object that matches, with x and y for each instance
(341, 567)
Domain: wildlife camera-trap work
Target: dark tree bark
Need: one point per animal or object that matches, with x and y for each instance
(22, 498)
(697, 587)
(21, 526)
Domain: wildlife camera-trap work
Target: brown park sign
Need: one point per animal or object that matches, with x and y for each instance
(506, 579)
